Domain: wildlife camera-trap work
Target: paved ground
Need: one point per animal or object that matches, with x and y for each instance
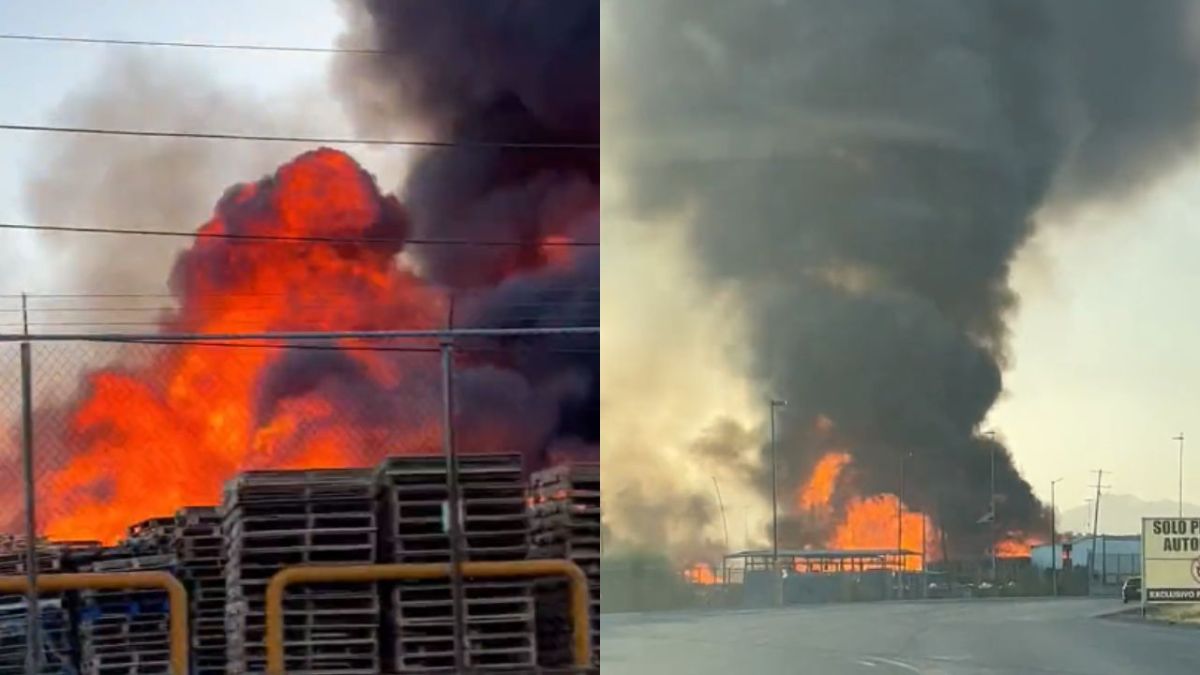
(982, 637)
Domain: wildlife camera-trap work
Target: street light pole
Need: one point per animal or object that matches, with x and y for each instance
(1180, 439)
(924, 560)
(775, 403)
(901, 558)
(776, 572)
(992, 499)
(1053, 538)
(900, 512)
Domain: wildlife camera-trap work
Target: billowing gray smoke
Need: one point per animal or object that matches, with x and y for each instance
(864, 173)
(498, 72)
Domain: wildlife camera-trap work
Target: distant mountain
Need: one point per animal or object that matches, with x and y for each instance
(1121, 514)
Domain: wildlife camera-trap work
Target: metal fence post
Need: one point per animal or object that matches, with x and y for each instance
(453, 522)
(33, 642)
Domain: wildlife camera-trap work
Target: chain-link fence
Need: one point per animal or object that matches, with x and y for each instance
(224, 458)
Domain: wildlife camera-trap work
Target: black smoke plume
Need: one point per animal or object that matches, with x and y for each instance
(512, 72)
(864, 173)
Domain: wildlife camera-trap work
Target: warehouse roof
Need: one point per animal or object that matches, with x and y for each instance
(826, 554)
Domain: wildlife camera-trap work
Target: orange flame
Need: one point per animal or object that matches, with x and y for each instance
(865, 522)
(818, 490)
(146, 439)
(1014, 547)
(701, 573)
(875, 522)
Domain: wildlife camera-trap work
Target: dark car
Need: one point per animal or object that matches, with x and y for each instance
(1132, 589)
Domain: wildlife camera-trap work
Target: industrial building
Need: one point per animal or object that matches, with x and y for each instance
(813, 576)
(1110, 558)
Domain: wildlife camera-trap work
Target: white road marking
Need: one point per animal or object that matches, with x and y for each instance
(895, 664)
(871, 664)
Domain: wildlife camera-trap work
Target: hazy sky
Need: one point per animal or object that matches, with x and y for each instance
(1107, 348)
(1106, 364)
(35, 76)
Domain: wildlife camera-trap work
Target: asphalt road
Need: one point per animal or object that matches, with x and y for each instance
(952, 637)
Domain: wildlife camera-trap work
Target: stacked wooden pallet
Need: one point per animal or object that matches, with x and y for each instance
(200, 555)
(565, 506)
(59, 651)
(499, 613)
(152, 534)
(127, 631)
(274, 519)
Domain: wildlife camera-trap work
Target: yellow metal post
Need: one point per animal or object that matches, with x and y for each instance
(121, 580)
(398, 572)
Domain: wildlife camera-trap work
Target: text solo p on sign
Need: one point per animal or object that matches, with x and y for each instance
(1171, 559)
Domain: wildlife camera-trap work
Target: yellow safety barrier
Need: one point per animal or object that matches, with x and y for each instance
(115, 581)
(409, 571)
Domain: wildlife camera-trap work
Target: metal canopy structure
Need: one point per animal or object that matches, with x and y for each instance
(817, 561)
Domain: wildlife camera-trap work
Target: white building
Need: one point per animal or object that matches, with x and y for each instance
(1117, 556)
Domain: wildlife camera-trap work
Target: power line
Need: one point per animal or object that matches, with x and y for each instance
(192, 45)
(239, 236)
(417, 333)
(357, 348)
(310, 140)
(152, 324)
(265, 309)
(462, 293)
(31, 310)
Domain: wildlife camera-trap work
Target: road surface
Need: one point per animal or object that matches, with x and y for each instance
(953, 637)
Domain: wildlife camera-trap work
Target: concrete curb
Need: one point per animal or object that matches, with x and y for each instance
(1134, 615)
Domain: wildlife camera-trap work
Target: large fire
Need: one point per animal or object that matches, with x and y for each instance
(701, 573)
(146, 439)
(1014, 547)
(817, 492)
(874, 522)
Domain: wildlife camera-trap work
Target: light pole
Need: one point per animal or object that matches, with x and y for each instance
(775, 403)
(901, 558)
(1180, 439)
(924, 560)
(992, 499)
(1053, 537)
(900, 511)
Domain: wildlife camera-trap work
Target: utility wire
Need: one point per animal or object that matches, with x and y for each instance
(23, 37)
(358, 348)
(311, 140)
(152, 324)
(468, 293)
(238, 236)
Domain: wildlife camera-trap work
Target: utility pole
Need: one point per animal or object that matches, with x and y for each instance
(1053, 543)
(900, 510)
(1095, 525)
(992, 499)
(1180, 439)
(924, 559)
(775, 403)
(900, 557)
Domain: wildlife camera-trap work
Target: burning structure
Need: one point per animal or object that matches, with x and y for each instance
(317, 245)
(862, 188)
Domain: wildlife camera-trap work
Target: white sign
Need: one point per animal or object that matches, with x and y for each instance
(1171, 560)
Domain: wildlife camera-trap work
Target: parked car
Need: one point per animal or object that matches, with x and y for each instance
(938, 589)
(1131, 589)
